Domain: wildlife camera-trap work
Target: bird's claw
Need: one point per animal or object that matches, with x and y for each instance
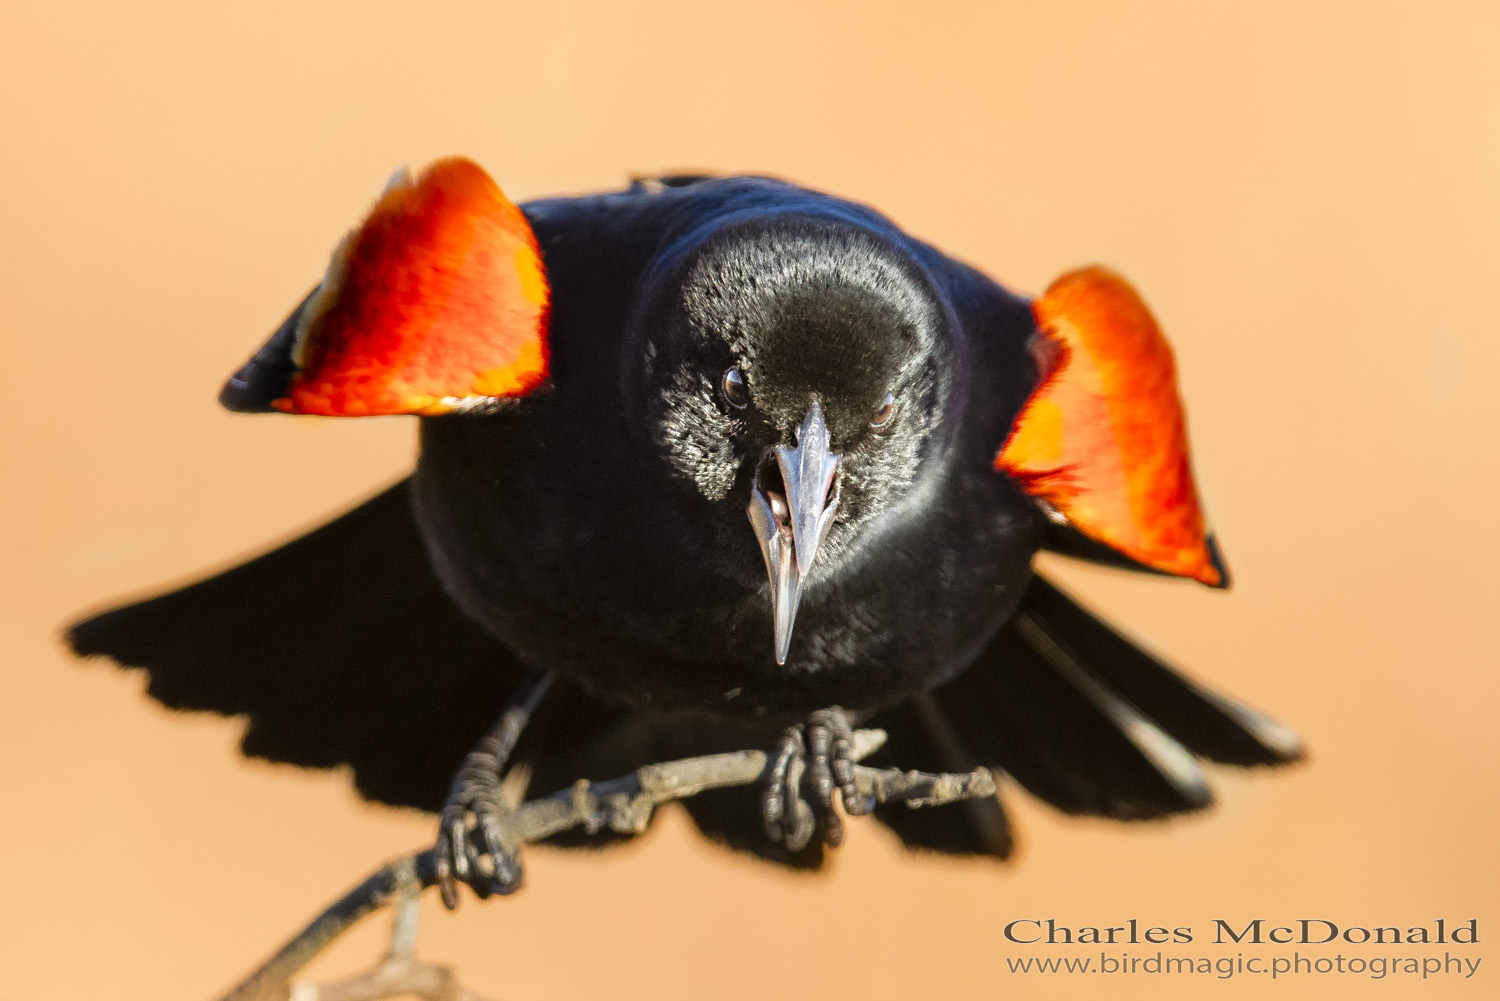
(810, 763)
(471, 847)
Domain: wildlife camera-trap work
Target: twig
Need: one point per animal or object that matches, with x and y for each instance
(399, 974)
(623, 805)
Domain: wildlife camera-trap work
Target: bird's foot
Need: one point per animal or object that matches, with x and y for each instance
(810, 763)
(471, 847)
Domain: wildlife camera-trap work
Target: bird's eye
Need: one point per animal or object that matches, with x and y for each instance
(735, 390)
(883, 415)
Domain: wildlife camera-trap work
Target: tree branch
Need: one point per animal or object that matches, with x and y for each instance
(623, 805)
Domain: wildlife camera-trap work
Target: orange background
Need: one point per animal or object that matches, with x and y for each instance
(1308, 192)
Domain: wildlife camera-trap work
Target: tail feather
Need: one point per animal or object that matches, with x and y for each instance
(1209, 724)
(922, 737)
(1091, 723)
(1031, 709)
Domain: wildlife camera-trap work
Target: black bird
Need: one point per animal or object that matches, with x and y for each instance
(727, 463)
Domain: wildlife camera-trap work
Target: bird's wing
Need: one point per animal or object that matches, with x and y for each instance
(1080, 716)
(1091, 722)
(1100, 442)
(341, 648)
(437, 301)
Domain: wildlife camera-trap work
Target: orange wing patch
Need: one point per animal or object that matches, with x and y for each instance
(1103, 440)
(438, 300)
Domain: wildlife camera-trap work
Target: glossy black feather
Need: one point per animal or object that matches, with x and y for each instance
(1069, 541)
(1207, 723)
(340, 647)
(266, 376)
(1088, 721)
(923, 737)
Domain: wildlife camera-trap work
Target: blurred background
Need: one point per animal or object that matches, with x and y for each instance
(1306, 192)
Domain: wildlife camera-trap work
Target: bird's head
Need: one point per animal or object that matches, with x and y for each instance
(797, 376)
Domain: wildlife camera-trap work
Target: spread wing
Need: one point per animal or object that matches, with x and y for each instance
(341, 648)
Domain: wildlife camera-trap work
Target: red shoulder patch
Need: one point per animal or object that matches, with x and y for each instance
(1103, 440)
(437, 300)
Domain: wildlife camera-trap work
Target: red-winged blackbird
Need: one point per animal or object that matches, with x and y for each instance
(716, 457)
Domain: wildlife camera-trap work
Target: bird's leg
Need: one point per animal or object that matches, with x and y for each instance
(476, 795)
(810, 763)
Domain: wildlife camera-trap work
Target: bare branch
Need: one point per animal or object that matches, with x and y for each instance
(392, 978)
(623, 805)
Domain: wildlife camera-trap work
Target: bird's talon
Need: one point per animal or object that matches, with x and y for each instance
(476, 855)
(781, 787)
(800, 832)
(812, 764)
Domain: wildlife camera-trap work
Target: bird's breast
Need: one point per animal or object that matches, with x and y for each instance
(565, 554)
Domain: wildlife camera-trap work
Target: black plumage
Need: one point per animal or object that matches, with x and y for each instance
(596, 529)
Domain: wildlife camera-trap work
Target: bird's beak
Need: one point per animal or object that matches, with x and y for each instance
(791, 506)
